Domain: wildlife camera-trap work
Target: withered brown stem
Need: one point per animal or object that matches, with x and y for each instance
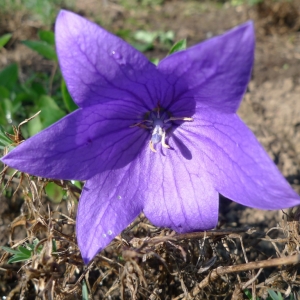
(214, 274)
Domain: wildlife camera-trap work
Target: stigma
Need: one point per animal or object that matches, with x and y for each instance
(160, 123)
(158, 135)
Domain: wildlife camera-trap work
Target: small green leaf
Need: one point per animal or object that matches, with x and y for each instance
(145, 40)
(35, 242)
(6, 111)
(32, 246)
(9, 250)
(248, 294)
(4, 140)
(38, 88)
(23, 253)
(155, 61)
(50, 112)
(178, 46)
(77, 183)
(47, 36)
(35, 125)
(22, 97)
(124, 34)
(9, 76)
(18, 257)
(42, 48)
(275, 296)
(54, 247)
(142, 47)
(24, 250)
(54, 192)
(85, 293)
(69, 103)
(146, 37)
(4, 93)
(40, 247)
(4, 39)
(166, 38)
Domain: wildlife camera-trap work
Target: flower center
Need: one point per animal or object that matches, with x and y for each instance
(159, 122)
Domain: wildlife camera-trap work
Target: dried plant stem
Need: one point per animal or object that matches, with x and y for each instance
(252, 280)
(212, 233)
(194, 235)
(243, 267)
(75, 286)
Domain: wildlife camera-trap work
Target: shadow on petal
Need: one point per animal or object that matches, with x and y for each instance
(186, 153)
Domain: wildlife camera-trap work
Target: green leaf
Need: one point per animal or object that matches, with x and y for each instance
(146, 37)
(6, 111)
(178, 46)
(4, 92)
(32, 246)
(54, 192)
(9, 250)
(85, 293)
(24, 251)
(50, 112)
(42, 48)
(142, 47)
(35, 125)
(275, 296)
(38, 88)
(69, 103)
(77, 183)
(155, 61)
(9, 76)
(248, 294)
(23, 96)
(166, 38)
(54, 246)
(47, 36)
(35, 242)
(4, 39)
(4, 140)
(124, 34)
(47, 102)
(18, 257)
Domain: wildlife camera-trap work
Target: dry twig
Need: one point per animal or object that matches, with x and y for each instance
(214, 274)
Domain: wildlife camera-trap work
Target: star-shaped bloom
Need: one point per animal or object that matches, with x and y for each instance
(164, 140)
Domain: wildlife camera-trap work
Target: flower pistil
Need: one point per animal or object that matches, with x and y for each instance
(159, 122)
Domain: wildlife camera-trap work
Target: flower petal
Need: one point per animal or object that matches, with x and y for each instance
(109, 202)
(215, 72)
(179, 194)
(100, 67)
(169, 193)
(239, 167)
(82, 144)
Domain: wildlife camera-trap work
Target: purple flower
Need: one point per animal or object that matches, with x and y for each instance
(164, 140)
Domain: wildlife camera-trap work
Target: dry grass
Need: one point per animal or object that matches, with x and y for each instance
(144, 262)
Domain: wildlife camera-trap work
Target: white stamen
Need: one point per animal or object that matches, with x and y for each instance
(159, 122)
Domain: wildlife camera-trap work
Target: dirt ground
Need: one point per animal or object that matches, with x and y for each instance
(271, 107)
